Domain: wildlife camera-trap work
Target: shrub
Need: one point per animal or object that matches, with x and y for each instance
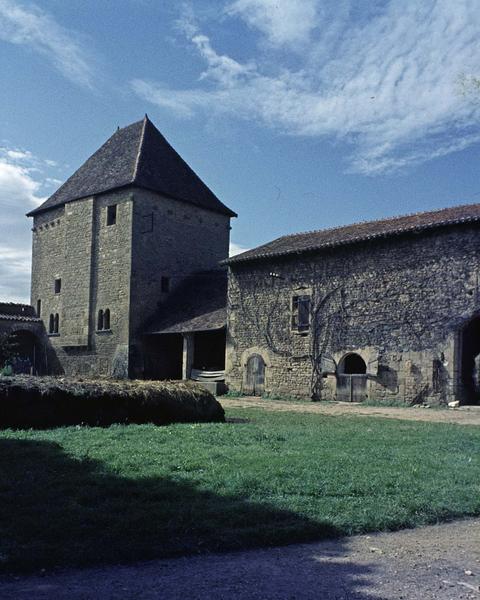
(43, 402)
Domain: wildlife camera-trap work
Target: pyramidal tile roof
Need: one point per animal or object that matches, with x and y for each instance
(136, 155)
(359, 232)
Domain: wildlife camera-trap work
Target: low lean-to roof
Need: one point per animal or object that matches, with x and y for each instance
(15, 311)
(358, 232)
(136, 155)
(199, 303)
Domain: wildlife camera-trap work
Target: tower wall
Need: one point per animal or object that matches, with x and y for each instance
(93, 261)
(171, 239)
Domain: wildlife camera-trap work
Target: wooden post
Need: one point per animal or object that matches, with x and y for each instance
(187, 360)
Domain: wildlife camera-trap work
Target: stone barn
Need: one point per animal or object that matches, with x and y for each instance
(386, 310)
(114, 247)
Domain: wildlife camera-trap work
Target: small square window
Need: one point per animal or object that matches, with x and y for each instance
(165, 284)
(111, 214)
(58, 286)
(147, 223)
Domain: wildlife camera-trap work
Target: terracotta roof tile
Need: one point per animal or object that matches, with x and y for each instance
(359, 232)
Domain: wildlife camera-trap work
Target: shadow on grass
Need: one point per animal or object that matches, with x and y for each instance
(59, 511)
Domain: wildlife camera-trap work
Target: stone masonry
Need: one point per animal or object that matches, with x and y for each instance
(400, 303)
(82, 263)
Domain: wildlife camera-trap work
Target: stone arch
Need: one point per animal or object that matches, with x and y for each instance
(352, 363)
(351, 378)
(264, 355)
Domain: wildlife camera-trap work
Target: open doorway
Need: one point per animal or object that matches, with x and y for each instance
(352, 379)
(470, 362)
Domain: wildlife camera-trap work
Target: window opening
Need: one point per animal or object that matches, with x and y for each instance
(111, 214)
(39, 307)
(58, 286)
(301, 313)
(106, 319)
(100, 320)
(165, 284)
(56, 324)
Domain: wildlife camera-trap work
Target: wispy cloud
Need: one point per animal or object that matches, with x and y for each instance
(385, 81)
(23, 183)
(236, 249)
(283, 23)
(31, 26)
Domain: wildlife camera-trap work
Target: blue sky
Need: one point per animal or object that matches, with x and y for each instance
(299, 114)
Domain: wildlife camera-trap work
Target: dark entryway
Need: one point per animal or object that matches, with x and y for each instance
(25, 352)
(470, 362)
(255, 376)
(352, 379)
(163, 356)
(209, 350)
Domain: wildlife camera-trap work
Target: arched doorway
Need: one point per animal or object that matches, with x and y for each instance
(352, 379)
(470, 362)
(255, 375)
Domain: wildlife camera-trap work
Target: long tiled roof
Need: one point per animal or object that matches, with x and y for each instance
(137, 155)
(359, 232)
(199, 303)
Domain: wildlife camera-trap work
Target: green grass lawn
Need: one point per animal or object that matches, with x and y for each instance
(88, 495)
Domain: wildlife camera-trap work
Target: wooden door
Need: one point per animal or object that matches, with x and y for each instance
(255, 376)
(351, 388)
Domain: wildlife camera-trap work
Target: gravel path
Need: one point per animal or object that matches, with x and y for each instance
(441, 562)
(465, 415)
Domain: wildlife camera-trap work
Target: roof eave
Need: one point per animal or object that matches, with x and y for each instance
(418, 229)
(39, 210)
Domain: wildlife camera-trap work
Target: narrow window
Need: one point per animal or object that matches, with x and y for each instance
(56, 323)
(51, 324)
(39, 307)
(111, 214)
(106, 319)
(100, 320)
(165, 284)
(147, 223)
(58, 286)
(301, 313)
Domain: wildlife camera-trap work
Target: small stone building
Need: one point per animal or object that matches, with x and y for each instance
(110, 248)
(387, 310)
(26, 337)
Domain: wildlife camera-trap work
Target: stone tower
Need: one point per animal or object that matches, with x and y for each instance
(113, 243)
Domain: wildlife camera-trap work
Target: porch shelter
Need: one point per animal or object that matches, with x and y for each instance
(187, 340)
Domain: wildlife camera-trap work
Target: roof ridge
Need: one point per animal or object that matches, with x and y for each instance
(371, 221)
(140, 147)
(362, 231)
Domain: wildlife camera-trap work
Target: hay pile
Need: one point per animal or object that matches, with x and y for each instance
(41, 402)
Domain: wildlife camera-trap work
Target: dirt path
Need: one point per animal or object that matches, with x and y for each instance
(432, 563)
(465, 415)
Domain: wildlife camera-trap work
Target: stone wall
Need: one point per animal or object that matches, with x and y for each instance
(399, 303)
(116, 267)
(93, 261)
(170, 239)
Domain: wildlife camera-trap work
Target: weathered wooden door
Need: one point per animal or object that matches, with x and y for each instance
(351, 388)
(255, 376)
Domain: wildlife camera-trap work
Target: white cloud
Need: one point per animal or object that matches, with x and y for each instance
(34, 28)
(387, 82)
(21, 184)
(17, 187)
(15, 266)
(236, 249)
(283, 22)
